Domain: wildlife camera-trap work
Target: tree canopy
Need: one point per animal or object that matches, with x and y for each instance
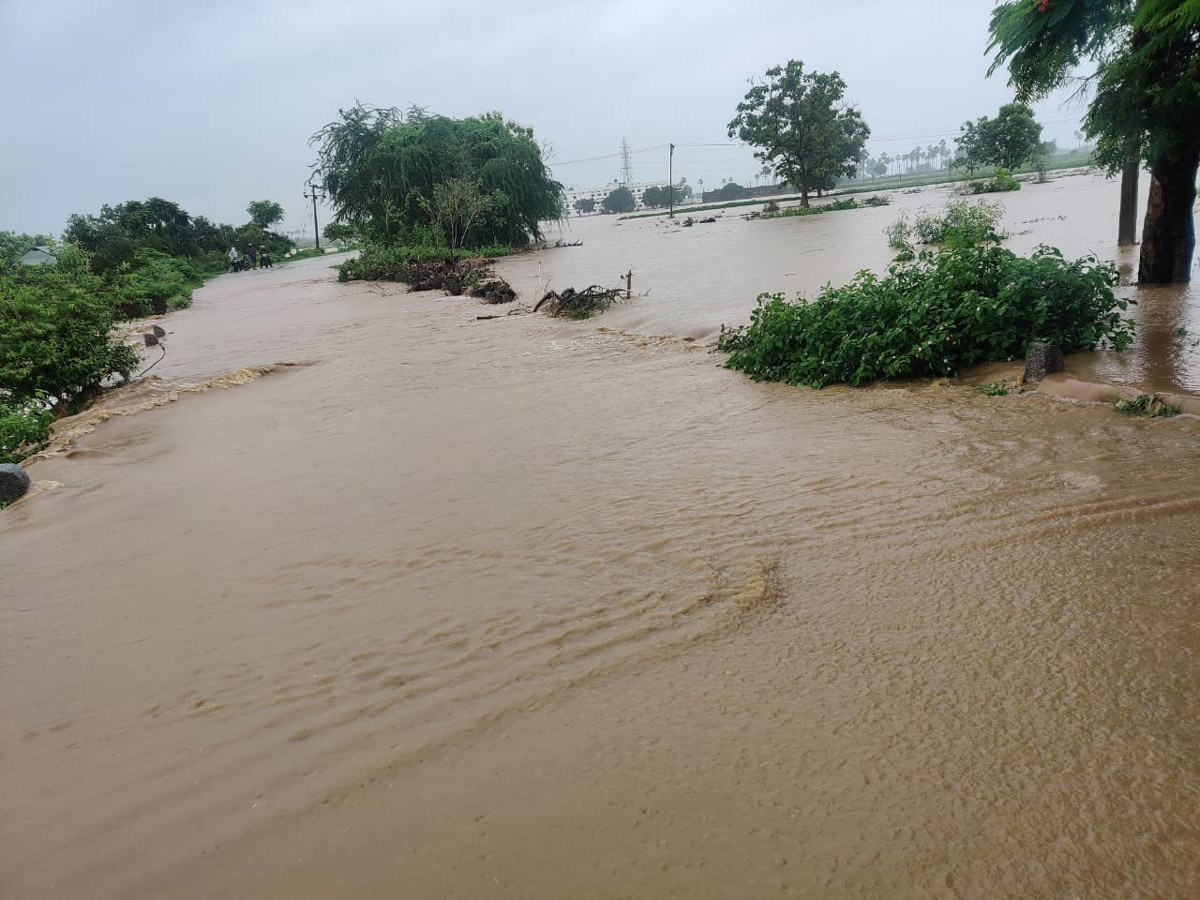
(666, 195)
(619, 200)
(264, 213)
(1145, 102)
(115, 236)
(1008, 141)
(382, 169)
(801, 126)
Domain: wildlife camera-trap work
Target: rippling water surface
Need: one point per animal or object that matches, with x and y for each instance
(449, 607)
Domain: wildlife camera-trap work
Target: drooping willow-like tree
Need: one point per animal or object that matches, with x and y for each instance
(413, 177)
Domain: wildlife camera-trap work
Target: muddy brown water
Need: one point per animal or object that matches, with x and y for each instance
(460, 608)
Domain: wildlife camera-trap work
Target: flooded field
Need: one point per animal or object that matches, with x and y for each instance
(366, 597)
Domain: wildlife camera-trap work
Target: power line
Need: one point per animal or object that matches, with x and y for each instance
(879, 139)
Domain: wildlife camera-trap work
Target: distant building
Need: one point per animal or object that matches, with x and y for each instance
(599, 194)
(38, 256)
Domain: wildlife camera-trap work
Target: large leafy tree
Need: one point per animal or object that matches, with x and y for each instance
(619, 200)
(668, 194)
(1009, 140)
(113, 238)
(380, 167)
(801, 126)
(1146, 104)
(264, 213)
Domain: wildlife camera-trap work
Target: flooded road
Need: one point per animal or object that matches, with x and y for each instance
(446, 607)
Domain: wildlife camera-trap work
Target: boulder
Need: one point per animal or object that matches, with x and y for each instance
(14, 482)
(1042, 360)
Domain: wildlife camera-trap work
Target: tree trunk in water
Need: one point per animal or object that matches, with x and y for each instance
(1127, 227)
(804, 192)
(1168, 234)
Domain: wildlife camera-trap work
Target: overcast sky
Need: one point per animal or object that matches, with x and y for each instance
(211, 103)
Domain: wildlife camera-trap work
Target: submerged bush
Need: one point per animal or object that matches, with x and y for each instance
(899, 233)
(24, 429)
(998, 183)
(378, 263)
(949, 310)
(961, 223)
(1150, 406)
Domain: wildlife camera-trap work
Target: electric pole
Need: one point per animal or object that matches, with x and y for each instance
(625, 164)
(315, 193)
(671, 183)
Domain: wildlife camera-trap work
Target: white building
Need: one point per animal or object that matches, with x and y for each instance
(598, 194)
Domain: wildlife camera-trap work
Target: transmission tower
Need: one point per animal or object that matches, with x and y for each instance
(625, 162)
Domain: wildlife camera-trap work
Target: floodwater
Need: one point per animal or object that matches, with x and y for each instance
(366, 597)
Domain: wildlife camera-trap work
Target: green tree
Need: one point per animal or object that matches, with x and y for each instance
(619, 200)
(801, 126)
(1145, 105)
(113, 237)
(654, 197)
(56, 337)
(1012, 137)
(585, 205)
(380, 168)
(457, 206)
(1006, 141)
(264, 213)
(340, 233)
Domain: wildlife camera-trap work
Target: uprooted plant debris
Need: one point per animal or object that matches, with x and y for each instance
(573, 304)
(472, 277)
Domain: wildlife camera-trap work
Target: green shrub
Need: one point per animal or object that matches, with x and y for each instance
(847, 203)
(24, 429)
(998, 183)
(158, 283)
(55, 331)
(899, 234)
(952, 309)
(961, 223)
(377, 263)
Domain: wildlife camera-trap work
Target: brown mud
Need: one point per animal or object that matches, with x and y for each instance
(537, 608)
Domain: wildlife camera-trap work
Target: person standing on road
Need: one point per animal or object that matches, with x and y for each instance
(233, 259)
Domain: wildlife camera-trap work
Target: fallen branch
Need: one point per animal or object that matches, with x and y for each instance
(573, 304)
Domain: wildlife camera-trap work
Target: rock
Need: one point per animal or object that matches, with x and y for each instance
(1042, 360)
(14, 482)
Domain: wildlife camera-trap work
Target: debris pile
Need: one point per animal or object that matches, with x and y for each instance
(573, 304)
(472, 277)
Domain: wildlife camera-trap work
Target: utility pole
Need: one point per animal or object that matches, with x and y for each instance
(315, 193)
(671, 183)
